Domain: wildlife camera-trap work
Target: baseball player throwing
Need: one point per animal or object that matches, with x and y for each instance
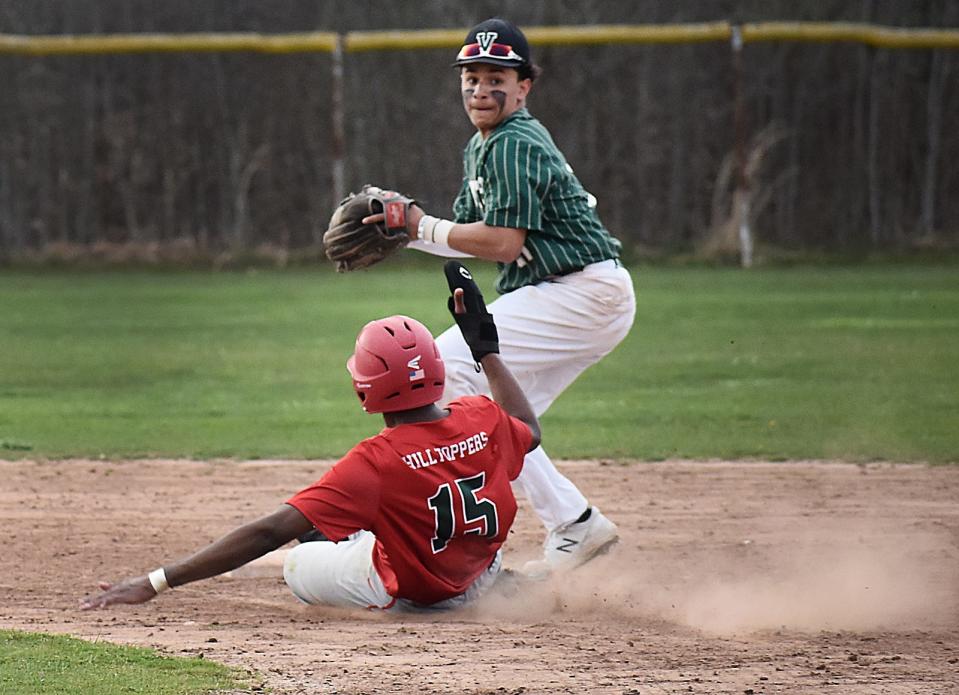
(566, 299)
(420, 510)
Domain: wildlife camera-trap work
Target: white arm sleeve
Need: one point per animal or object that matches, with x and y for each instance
(436, 249)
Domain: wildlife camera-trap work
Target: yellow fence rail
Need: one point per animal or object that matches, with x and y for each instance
(168, 43)
(357, 41)
(839, 32)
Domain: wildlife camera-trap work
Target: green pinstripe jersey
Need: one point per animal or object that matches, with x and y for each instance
(517, 177)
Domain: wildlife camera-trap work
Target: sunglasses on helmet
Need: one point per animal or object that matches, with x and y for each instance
(494, 50)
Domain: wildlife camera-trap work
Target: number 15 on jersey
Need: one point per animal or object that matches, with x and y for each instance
(477, 515)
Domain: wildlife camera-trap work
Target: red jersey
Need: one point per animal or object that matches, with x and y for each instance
(436, 495)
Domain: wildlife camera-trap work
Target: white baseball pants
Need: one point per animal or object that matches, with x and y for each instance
(342, 574)
(549, 334)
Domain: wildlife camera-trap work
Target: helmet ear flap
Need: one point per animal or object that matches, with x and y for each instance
(396, 366)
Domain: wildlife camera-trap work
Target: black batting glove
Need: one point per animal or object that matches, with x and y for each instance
(475, 322)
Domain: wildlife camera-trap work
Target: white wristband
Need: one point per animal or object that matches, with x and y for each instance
(433, 230)
(158, 580)
(441, 232)
(425, 221)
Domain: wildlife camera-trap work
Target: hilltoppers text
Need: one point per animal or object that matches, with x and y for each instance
(442, 454)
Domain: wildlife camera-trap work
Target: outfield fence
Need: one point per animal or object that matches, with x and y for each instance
(338, 46)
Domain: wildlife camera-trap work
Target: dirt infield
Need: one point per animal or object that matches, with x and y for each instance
(730, 578)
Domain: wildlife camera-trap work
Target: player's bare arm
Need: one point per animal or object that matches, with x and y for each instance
(478, 239)
(507, 392)
(502, 244)
(238, 547)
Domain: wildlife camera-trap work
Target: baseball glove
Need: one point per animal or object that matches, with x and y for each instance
(350, 244)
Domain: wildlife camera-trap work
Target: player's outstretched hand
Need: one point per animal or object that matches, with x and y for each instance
(469, 311)
(133, 590)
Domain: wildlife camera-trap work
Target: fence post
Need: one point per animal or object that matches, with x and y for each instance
(741, 196)
(337, 104)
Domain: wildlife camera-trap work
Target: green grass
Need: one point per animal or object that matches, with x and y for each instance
(852, 364)
(38, 664)
(849, 363)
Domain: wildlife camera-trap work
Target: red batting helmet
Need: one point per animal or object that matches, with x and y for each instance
(396, 366)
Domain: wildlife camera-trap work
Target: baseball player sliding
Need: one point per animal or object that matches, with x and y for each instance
(420, 510)
(566, 299)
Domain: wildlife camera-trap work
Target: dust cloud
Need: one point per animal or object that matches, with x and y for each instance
(844, 582)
